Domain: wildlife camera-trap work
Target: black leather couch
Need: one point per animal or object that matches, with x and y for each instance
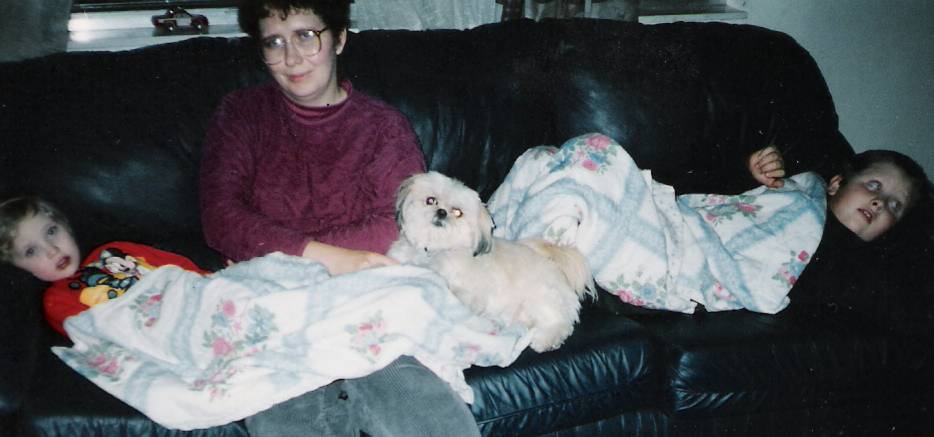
(115, 138)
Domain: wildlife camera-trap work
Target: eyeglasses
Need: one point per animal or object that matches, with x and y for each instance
(306, 41)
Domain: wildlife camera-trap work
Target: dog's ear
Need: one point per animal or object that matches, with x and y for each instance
(401, 194)
(485, 226)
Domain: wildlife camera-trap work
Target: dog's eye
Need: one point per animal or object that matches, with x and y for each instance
(430, 201)
(457, 212)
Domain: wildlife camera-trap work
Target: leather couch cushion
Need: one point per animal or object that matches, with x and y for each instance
(739, 362)
(608, 366)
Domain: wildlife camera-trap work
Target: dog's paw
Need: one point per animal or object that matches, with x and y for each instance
(549, 338)
(403, 251)
(544, 347)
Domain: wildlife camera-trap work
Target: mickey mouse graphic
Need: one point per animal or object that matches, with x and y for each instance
(110, 276)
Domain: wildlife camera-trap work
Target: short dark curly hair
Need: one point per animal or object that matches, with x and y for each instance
(911, 169)
(334, 13)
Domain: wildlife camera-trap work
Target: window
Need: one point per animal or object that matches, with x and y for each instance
(129, 5)
(662, 11)
(127, 24)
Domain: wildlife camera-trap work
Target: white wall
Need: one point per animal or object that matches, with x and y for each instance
(878, 59)
(30, 28)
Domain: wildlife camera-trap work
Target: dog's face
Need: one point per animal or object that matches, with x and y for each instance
(435, 212)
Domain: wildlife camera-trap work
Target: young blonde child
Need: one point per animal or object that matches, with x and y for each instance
(35, 236)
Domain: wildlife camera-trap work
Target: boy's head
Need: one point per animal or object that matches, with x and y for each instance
(876, 189)
(35, 236)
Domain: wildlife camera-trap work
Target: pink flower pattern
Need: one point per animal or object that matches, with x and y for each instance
(367, 337)
(720, 208)
(591, 152)
(472, 353)
(234, 334)
(639, 292)
(790, 271)
(720, 292)
(599, 142)
(146, 309)
(229, 308)
(106, 359)
(628, 297)
(221, 347)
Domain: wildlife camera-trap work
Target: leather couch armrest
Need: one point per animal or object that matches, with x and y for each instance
(21, 332)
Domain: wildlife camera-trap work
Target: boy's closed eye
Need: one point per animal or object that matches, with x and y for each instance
(892, 205)
(895, 206)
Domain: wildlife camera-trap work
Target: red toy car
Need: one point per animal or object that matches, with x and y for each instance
(176, 18)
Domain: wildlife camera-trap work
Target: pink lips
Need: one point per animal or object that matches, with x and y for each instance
(296, 77)
(63, 263)
(866, 214)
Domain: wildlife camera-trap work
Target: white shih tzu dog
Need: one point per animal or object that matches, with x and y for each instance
(444, 226)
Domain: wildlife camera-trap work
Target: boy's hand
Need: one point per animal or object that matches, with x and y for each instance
(768, 167)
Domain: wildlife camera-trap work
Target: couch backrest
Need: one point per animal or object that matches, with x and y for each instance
(689, 100)
(115, 138)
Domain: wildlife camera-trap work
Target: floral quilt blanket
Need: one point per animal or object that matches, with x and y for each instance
(193, 351)
(652, 248)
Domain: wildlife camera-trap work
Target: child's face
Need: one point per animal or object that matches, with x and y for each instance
(45, 248)
(871, 202)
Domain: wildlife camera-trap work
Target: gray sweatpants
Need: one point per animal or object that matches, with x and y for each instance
(402, 399)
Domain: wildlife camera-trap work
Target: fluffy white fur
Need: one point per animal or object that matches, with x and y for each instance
(444, 226)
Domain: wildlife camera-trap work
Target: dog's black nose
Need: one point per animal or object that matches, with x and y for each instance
(441, 213)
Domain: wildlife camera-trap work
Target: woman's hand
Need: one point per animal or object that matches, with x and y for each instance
(768, 167)
(339, 260)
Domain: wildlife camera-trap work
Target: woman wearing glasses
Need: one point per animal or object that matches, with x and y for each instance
(304, 164)
(308, 166)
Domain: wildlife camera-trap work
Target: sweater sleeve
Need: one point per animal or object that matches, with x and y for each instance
(397, 157)
(231, 225)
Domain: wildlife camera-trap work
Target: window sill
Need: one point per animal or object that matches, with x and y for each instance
(126, 39)
(714, 12)
(125, 30)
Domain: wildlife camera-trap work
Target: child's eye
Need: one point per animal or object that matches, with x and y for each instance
(29, 252)
(430, 201)
(895, 206)
(457, 212)
(873, 185)
(52, 230)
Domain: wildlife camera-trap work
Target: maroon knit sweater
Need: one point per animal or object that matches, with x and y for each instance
(275, 175)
